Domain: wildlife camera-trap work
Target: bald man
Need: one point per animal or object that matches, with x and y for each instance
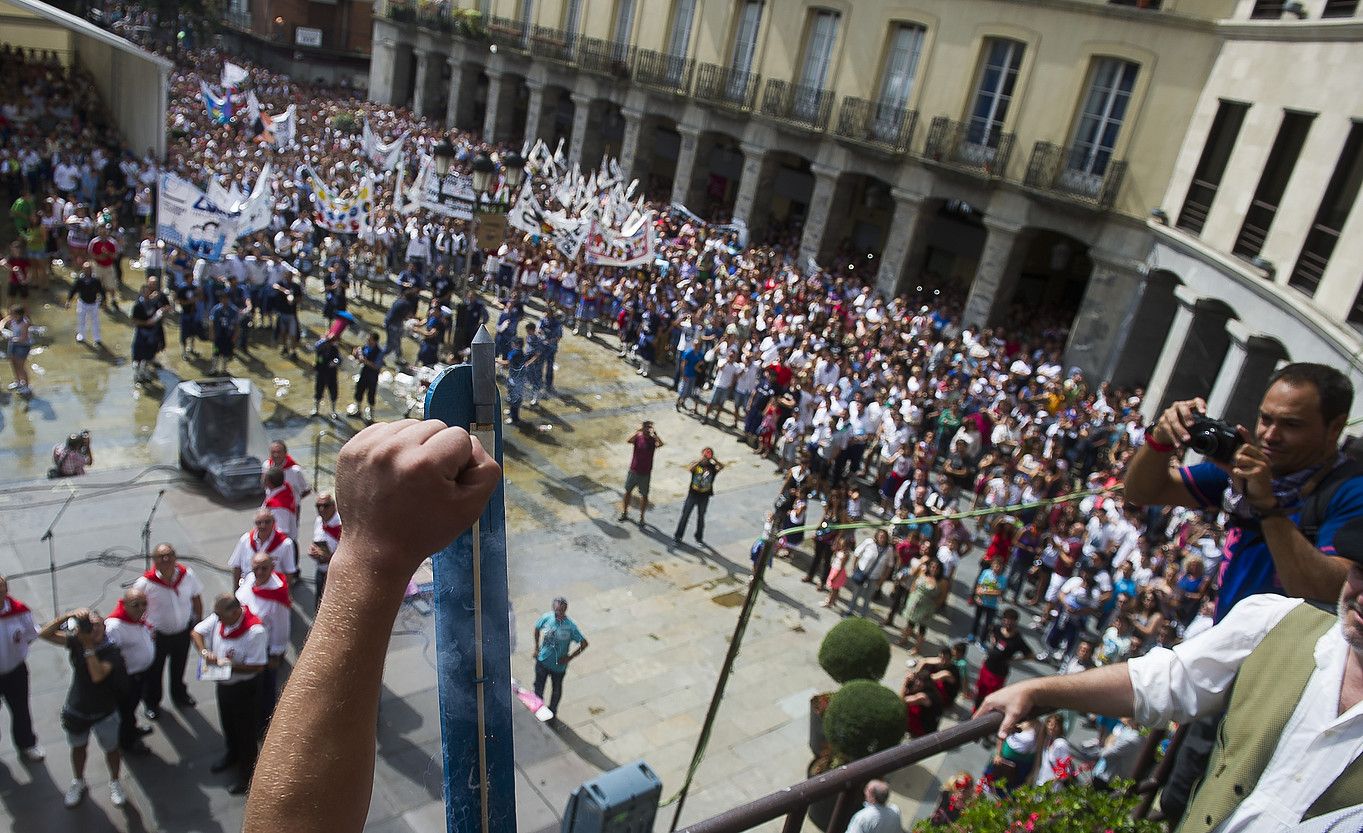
(264, 536)
(128, 628)
(266, 593)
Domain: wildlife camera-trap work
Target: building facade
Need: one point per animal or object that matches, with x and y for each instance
(1016, 151)
(317, 40)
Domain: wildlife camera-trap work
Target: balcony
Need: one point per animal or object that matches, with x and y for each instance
(876, 124)
(238, 19)
(669, 73)
(1063, 171)
(955, 145)
(604, 57)
(553, 44)
(797, 105)
(726, 87)
(509, 33)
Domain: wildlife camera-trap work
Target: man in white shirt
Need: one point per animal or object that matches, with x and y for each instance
(234, 637)
(174, 602)
(877, 815)
(1289, 746)
(264, 536)
(17, 632)
(326, 537)
(266, 593)
(127, 627)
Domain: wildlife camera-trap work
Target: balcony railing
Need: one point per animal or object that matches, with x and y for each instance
(1068, 172)
(604, 57)
(671, 73)
(953, 143)
(877, 124)
(726, 86)
(238, 19)
(554, 44)
(509, 33)
(796, 104)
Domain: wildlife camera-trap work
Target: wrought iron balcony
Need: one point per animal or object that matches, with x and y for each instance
(726, 86)
(807, 107)
(238, 19)
(509, 33)
(1074, 174)
(956, 145)
(671, 73)
(604, 57)
(876, 124)
(554, 44)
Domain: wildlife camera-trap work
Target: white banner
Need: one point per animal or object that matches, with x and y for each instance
(566, 233)
(608, 247)
(284, 127)
(256, 210)
(384, 157)
(452, 198)
(187, 218)
(233, 75)
(334, 212)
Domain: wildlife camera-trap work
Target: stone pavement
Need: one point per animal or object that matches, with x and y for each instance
(658, 616)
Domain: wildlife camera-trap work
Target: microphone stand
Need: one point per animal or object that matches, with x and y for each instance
(52, 549)
(146, 531)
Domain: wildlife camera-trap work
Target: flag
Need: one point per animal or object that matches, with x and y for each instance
(335, 212)
(233, 75)
(219, 107)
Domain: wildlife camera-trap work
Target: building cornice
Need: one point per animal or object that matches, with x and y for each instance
(1304, 31)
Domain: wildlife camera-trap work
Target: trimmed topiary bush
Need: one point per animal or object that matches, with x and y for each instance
(856, 649)
(864, 717)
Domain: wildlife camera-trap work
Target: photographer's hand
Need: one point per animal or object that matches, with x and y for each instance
(1172, 427)
(1253, 474)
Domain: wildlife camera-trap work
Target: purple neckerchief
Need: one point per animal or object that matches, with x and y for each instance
(1287, 490)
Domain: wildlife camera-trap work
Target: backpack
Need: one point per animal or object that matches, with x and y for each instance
(1315, 505)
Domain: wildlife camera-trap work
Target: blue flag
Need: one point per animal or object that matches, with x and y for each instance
(219, 107)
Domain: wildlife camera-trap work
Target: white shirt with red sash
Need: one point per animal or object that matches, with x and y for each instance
(170, 604)
(270, 602)
(293, 475)
(246, 642)
(283, 504)
(279, 547)
(328, 534)
(17, 632)
(133, 638)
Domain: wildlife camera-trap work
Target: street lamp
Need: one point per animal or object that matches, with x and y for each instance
(483, 169)
(444, 157)
(513, 167)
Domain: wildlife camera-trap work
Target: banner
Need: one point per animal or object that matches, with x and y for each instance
(187, 218)
(566, 233)
(285, 127)
(219, 107)
(607, 247)
(383, 157)
(333, 212)
(255, 211)
(452, 198)
(233, 75)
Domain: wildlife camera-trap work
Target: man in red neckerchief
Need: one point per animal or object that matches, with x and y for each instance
(17, 632)
(128, 628)
(233, 636)
(264, 536)
(326, 537)
(293, 473)
(174, 603)
(266, 593)
(282, 501)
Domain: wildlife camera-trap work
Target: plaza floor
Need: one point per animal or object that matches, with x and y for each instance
(659, 616)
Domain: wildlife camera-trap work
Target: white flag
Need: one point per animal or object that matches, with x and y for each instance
(233, 75)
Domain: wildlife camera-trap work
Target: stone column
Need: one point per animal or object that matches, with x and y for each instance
(494, 95)
(582, 114)
(820, 209)
(382, 66)
(423, 68)
(1193, 354)
(1113, 300)
(754, 160)
(456, 66)
(686, 163)
(908, 207)
(534, 111)
(991, 274)
(1250, 360)
(629, 145)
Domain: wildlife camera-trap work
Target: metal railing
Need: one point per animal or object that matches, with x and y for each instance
(1196, 206)
(796, 104)
(509, 33)
(554, 44)
(238, 19)
(1063, 171)
(877, 124)
(951, 143)
(604, 57)
(726, 86)
(670, 73)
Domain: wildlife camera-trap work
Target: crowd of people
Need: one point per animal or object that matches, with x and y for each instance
(891, 412)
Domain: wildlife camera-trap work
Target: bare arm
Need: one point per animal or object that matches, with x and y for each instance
(320, 780)
(1106, 690)
(1305, 571)
(1150, 479)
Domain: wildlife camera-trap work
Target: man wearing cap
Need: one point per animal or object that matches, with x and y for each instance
(1289, 676)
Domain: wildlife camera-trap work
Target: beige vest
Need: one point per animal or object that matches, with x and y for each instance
(1262, 699)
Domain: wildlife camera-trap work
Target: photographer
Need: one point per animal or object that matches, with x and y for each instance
(1286, 489)
(71, 458)
(98, 682)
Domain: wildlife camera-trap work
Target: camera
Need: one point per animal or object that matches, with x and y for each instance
(1213, 439)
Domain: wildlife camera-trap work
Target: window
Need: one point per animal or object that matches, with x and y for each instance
(745, 49)
(572, 17)
(1272, 183)
(1101, 120)
(1211, 166)
(901, 65)
(809, 90)
(1334, 209)
(527, 15)
(624, 21)
(1339, 8)
(679, 37)
(1003, 59)
(1266, 10)
(239, 7)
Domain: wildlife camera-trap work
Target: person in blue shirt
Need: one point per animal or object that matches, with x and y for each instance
(688, 363)
(551, 330)
(555, 634)
(224, 318)
(1293, 452)
(370, 356)
(516, 361)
